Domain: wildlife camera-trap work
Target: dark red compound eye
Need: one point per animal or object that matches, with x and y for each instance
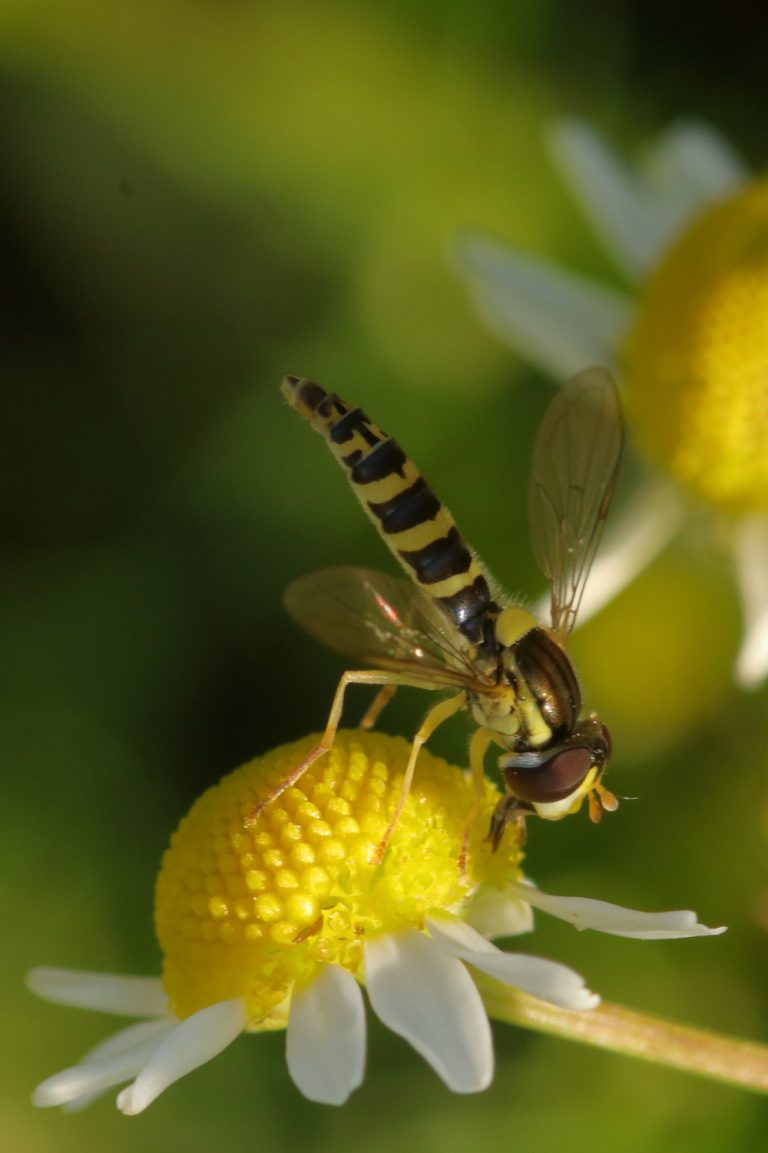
(551, 780)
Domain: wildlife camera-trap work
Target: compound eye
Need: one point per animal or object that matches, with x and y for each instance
(552, 780)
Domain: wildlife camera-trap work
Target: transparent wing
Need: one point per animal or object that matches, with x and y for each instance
(575, 464)
(383, 621)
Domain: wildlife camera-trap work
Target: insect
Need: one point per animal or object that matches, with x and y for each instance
(448, 628)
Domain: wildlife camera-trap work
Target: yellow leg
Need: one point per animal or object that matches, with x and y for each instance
(363, 677)
(382, 698)
(478, 746)
(434, 718)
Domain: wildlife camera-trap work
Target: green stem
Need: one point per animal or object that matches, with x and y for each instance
(621, 1030)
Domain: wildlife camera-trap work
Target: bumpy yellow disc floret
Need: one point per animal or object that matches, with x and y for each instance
(697, 355)
(247, 912)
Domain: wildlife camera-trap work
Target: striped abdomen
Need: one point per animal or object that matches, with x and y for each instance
(415, 525)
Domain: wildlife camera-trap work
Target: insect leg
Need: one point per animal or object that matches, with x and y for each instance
(382, 698)
(507, 810)
(434, 718)
(361, 677)
(478, 746)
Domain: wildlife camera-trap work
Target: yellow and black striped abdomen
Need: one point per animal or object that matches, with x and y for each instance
(414, 523)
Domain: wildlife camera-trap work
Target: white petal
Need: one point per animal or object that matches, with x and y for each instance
(692, 166)
(427, 996)
(117, 1059)
(538, 976)
(556, 319)
(585, 913)
(498, 913)
(648, 522)
(143, 1036)
(618, 203)
(129, 1038)
(454, 934)
(107, 992)
(196, 1040)
(325, 1042)
(752, 571)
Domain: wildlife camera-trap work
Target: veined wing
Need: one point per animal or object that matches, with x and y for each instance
(382, 621)
(573, 475)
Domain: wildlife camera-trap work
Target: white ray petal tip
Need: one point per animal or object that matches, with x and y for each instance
(690, 922)
(605, 917)
(51, 1092)
(480, 1083)
(751, 666)
(127, 1102)
(568, 990)
(584, 999)
(42, 979)
(673, 925)
(67, 1088)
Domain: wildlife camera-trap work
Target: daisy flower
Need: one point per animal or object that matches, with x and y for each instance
(689, 232)
(283, 924)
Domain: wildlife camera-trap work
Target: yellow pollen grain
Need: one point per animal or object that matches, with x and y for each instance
(316, 881)
(218, 907)
(256, 880)
(290, 835)
(302, 854)
(332, 852)
(302, 909)
(286, 880)
(697, 356)
(269, 908)
(249, 911)
(306, 812)
(346, 828)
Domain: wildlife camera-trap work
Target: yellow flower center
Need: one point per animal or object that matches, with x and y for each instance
(248, 912)
(697, 355)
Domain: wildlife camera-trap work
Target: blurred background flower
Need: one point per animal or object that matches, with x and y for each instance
(197, 199)
(689, 230)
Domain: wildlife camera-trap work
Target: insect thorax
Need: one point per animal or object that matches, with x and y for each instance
(537, 700)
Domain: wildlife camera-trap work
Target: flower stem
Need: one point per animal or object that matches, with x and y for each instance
(721, 1058)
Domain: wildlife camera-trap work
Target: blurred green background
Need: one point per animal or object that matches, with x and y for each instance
(195, 198)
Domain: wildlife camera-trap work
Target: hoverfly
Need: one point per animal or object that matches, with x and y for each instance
(448, 628)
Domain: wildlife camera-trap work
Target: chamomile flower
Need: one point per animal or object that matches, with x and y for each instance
(689, 231)
(281, 925)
